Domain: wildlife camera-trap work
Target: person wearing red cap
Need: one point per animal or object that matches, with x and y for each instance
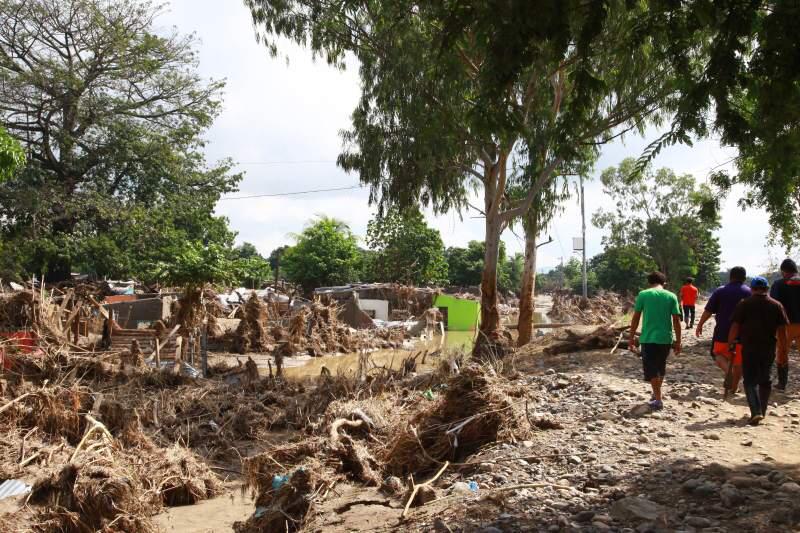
(787, 292)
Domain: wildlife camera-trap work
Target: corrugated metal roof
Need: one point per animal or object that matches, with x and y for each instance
(13, 487)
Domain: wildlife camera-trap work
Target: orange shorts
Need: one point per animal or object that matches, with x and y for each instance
(721, 348)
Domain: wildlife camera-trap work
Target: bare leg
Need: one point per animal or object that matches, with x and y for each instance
(655, 384)
(736, 377)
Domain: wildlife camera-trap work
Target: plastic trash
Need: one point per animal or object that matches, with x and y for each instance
(278, 481)
(473, 486)
(13, 487)
(428, 394)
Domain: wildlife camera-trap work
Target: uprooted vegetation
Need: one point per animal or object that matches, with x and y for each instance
(602, 308)
(374, 439)
(106, 450)
(314, 329)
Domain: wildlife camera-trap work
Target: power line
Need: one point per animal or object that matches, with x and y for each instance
(289, 162)
(293, 193)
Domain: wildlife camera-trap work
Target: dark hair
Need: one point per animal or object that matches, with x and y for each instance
(738, 274)
(689, 279)
(656, 278)
(789, 266)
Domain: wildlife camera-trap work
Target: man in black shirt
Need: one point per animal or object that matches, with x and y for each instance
(787, 292)
(759, 322)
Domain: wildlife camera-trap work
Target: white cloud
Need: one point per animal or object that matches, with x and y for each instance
(274, 112)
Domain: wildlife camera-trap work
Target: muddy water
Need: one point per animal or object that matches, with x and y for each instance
(347, 364)
(214, 515)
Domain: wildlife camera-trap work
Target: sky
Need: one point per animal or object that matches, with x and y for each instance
(281, 120)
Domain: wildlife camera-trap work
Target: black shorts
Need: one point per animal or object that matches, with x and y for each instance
(654, 360)
(757, 365)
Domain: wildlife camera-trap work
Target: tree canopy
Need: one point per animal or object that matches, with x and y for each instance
(111, 114)
(406, 249)
(465, 266)
(252, 267)
(737, 62)
(660, 220)
(325, 253)
(11, 155)
(734, 63)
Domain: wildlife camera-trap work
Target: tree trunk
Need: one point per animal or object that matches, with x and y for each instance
(490, 316)
(527, 297)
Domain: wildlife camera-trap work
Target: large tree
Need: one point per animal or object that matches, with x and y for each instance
(534, 223)
(667, 217)
(406, 249)
(423, 133)
(735, 63)
(326, 253)
(111, 114)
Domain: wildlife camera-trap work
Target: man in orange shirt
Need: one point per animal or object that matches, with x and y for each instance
(688, 297)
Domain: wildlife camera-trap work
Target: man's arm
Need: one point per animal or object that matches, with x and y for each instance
(783, 341)
(703, 319)
(676, 327)
(733, 333)
(632, 342)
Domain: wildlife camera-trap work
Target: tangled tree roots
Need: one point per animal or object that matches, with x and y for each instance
(494, 347)
(252, 334)
(94, 497)
(478, 408)
(285, 509)
(182, 480)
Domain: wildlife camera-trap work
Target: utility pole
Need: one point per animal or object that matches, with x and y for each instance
(583, 241)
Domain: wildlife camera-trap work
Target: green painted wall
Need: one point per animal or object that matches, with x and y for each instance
(462, 315)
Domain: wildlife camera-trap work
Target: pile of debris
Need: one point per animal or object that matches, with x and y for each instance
(602, 308)
(47, 314)
(252, 334)
(580, 339)
(371, 440)
(313, 329)
(71, 429)
(411, 301)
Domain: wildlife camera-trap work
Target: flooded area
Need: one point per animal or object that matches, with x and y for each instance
(305, 366)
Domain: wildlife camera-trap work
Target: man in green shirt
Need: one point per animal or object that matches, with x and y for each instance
(662, 317)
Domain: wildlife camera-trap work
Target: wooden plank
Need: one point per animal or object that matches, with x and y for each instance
(168, 337)
(103, 310)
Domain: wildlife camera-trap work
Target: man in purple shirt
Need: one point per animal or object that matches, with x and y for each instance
(721, 304)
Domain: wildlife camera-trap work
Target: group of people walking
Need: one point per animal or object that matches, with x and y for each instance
(756, 326)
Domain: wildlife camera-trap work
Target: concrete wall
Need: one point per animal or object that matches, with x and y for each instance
(460, 314)
(375, 308)
(140, 312)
